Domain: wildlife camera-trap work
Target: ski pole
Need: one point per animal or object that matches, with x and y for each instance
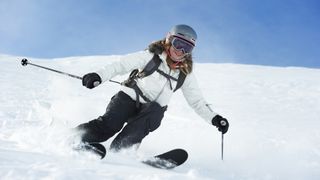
(222, 146)
(25, 62)
(223, 123)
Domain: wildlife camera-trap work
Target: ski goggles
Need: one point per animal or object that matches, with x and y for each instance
(182, 45)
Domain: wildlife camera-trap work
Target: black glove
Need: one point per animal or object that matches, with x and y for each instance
(91, 80)
(221, 123)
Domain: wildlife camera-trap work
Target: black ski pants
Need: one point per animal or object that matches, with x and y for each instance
(122, 110)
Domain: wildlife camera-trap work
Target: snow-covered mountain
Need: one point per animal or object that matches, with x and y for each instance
(273, 114)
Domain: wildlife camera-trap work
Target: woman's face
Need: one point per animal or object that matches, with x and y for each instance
(176, 55)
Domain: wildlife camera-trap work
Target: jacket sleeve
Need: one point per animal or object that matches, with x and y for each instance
(194, 97)
(124, 65)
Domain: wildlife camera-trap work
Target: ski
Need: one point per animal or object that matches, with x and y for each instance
(95, 148)
(168, 160)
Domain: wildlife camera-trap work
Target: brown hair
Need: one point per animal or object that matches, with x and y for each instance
(158, 47)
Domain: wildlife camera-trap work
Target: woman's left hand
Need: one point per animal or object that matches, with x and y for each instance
(221, 123)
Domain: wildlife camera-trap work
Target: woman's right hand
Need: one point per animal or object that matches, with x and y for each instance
(91, 80)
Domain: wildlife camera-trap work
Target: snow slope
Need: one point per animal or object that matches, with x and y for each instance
(273, 112)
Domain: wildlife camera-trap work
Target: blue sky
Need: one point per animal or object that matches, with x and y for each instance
(270, 32)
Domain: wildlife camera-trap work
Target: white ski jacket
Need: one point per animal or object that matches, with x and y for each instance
(155, 86)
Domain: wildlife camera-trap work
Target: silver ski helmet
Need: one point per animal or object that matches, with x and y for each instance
(185, 32)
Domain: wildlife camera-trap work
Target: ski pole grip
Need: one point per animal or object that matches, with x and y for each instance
(24, 62)
(223, 123)
(96, 83)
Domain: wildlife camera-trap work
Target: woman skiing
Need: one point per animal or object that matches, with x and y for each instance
(140, 105)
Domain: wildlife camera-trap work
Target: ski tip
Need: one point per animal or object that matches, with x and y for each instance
(168, 160)
(99, 149)
(182, 156)
(95, 148)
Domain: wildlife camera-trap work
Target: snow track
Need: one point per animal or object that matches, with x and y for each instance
(273, 114)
